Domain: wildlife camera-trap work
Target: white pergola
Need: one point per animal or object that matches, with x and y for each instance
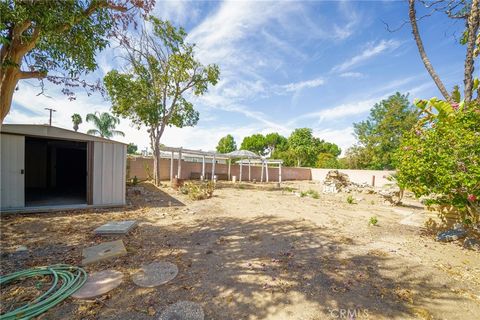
(195, 154)
(264, 164)
(247, 157)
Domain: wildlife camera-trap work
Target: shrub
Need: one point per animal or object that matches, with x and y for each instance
(313, 193)
(198, 190)
(350, 199)
(373, 221)
(440, 158)
(289, 189)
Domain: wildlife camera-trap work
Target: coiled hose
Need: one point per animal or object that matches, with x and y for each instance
(66, 280)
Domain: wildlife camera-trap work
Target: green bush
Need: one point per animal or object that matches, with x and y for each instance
(373, 221)
(440, 158)
(350, 199)
(198, 190)
(289, 189)
(313, 193)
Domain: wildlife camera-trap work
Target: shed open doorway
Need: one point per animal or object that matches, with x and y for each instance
(55, 172)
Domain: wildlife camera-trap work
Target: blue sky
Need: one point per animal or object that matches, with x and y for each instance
(284, 65)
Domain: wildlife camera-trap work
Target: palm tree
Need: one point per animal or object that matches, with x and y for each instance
(105, 124)
(76, 119)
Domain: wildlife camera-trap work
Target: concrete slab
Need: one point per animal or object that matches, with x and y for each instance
(116, 227)
(103, 251)
(155, 274)
(99, 283)
(183, 310)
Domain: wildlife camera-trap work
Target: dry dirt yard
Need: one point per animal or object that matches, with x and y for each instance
(259, 254)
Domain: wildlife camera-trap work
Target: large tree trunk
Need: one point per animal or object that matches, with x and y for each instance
(155, 135)
(156, 166)
(155, 145)
(472, 27)
(7, 88)
(11, 57)
(423, 54)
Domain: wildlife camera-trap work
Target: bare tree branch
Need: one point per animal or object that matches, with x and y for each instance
(32, 75)
(472, 29)
(423, 55)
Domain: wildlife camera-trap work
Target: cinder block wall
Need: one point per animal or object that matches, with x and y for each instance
(143, 167)
(357, 176)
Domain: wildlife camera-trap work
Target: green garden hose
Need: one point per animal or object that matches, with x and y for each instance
(66, 280)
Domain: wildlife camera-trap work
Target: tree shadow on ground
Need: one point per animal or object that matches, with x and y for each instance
(271, 268)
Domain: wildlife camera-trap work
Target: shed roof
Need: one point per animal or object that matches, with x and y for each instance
(46, 131)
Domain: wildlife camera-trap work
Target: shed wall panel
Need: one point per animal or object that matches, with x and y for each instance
(109, 169)
(12, 162)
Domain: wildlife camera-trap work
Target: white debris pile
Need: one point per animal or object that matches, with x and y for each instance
(336, 181)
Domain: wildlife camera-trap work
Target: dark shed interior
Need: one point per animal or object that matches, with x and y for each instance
(55, 172)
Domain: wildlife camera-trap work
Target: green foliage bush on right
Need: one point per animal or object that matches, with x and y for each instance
(440, 158)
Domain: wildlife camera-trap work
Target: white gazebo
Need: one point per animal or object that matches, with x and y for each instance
(264, 164)
(243, 155)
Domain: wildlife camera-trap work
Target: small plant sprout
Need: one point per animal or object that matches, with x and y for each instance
(373, 221)
(313, 193)
(289, 189)
(350, 199)
(303, 194)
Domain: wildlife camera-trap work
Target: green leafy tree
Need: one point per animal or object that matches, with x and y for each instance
(327, 160)
(287, 155)
(226, 144)
(330, 148)
(379, 136)
(304, 146)
(255, 143)
(132, 148)
(76, 120)
(440, 157)
(355, 158)
(105, 125)
(162, 73)
(57, 40)
(275, 141)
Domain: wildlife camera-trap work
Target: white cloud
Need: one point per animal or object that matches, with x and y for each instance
(178, 11)
(369, 52)
(234, 21)
(338, 112)
(296, 86)
(352, 75)
(342, 137)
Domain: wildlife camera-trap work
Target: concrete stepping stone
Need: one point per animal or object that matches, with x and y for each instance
(116, 227)
(103, 251)
(99, 283)
(155, 274)
(183, 310)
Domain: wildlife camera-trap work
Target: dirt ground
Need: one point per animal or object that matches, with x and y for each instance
(249, 253)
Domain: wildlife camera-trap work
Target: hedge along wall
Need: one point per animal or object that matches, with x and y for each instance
(142, 168)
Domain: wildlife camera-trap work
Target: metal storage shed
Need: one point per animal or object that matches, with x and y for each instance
(45, 167)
